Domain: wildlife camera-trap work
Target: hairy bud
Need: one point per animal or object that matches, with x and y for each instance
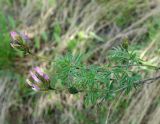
(38, 80)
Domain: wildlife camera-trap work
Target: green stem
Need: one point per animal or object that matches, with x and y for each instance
(40, 57)
(130, 65)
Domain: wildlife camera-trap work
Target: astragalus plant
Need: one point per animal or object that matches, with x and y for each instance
(96, 83)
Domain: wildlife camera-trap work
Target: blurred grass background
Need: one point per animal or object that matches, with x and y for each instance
(90, 27)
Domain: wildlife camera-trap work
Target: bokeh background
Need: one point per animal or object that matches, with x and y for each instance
(90, 27)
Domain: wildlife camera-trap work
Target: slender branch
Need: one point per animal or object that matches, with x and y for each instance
(147, 80)
(140, 83)
(130, 65)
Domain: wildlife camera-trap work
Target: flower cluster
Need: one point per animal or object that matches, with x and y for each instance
(38, 80)
(19, 41)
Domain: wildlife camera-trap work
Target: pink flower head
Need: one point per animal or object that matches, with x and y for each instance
(38, 80)
(19, 41)
(13, 35)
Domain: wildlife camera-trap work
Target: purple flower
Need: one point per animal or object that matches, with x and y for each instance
(34, 77)
(38, 80)
(39, 71)
(19, 41)
(46, 77)
(24, 36)
(35, 87)
(13, 35)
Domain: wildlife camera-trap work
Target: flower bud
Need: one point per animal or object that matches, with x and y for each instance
(38, 80)
(19, 41)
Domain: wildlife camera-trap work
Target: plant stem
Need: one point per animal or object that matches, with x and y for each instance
(130, 65)
(40, 57)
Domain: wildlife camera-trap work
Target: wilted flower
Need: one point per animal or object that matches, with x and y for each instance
(38, 80)
(19, 41)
